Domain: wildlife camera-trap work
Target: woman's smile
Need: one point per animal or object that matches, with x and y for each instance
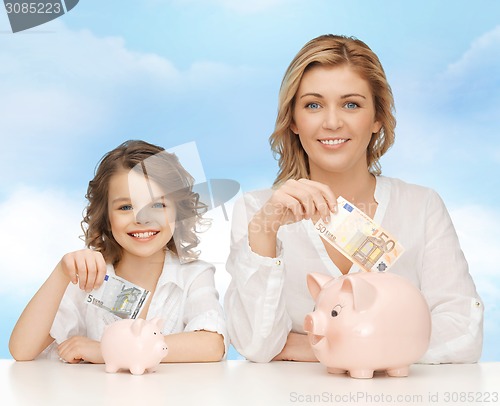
(334, 143)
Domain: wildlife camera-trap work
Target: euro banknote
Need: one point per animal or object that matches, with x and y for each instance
(118, 296)
(359, 238)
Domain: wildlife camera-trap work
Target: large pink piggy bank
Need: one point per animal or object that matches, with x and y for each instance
(366, 322)
(136, 345)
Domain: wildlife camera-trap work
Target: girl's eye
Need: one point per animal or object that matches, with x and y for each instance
(313, 106)
(159, 205)
(126, 207)
(351, 105)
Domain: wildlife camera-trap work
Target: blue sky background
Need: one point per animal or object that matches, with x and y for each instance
(176, 71)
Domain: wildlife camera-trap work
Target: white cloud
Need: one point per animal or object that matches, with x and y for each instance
(38, 228)
(482, 56)
(73, 88)
(447, 131)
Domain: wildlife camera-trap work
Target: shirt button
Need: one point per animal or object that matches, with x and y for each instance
(477, 304)
(278, 262)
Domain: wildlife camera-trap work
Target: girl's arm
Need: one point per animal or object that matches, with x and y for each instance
(194, 346)
(297, 348)
(31, 334)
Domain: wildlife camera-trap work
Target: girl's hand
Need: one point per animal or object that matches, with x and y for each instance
(294, 201)
(297, 348)
(78, 348)
(86, 267)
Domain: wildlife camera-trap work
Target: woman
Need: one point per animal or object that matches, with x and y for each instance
(334, 123)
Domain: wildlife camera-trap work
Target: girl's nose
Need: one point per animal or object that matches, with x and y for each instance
(144, 216)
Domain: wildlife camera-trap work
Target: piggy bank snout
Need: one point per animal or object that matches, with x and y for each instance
(159, 345)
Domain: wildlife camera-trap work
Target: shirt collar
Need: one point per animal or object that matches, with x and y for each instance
(172, 271)
(381, 196)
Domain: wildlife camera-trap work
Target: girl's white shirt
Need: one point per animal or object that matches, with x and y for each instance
(185, 298)
(268, 297)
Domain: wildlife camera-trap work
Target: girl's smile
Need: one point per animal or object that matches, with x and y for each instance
(143, 235)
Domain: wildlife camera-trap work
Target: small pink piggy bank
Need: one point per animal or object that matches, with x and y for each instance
(366, 322)
(133, 344)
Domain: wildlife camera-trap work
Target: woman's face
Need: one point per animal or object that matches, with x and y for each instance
(334, 117)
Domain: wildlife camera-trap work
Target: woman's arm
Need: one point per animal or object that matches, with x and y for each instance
(255, 309)
(456, 309)
(258, 322)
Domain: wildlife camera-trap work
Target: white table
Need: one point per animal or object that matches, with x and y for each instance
(243, 383)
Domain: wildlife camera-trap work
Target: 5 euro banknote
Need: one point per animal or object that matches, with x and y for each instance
(118, 296)
(359, 238)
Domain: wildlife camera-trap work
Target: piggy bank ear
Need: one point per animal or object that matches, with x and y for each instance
(316, 281)
(157, 322)
(363, 292)
(137, 326)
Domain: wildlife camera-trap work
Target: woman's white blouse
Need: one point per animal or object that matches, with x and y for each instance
(268, 297)
(185, 298)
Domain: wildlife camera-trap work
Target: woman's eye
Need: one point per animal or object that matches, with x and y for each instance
(313, 106)
(351, 105)
(126, 207)
(158, 205)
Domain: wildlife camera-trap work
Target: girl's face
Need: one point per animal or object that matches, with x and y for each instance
(334, 117)
(142, 219)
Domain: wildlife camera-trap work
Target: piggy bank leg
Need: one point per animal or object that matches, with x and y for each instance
(152, 369)
(361, 373)
(137, 370)
(401, 371)
(336, 371)
(111, 368)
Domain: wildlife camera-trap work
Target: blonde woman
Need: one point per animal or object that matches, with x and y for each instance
(335, 121)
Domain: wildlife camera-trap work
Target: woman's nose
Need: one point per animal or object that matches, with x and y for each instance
(332, 120)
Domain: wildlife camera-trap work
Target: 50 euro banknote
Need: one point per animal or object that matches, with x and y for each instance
(359, 238)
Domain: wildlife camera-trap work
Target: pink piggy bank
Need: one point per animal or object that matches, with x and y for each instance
(366, 322)
(133, 344)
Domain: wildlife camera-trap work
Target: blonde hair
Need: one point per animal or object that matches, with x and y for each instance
(160, 166)
(331, 50)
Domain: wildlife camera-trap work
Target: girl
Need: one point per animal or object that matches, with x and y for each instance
(139, 225)
(334, 123)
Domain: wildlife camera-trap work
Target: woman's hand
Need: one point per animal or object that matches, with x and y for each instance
(86, 267)
(294, 201)
(297, 200)
(78, 348)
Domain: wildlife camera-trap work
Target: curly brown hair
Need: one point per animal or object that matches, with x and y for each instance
(331, 50)
(162, 167)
